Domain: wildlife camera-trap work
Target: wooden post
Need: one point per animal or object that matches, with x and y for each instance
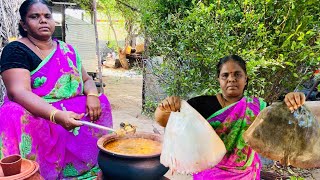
(94, 3)
(63, 23)
(145, 58)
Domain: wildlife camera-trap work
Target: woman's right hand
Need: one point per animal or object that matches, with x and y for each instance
(165, 107)
(68, 119)
(171, 103)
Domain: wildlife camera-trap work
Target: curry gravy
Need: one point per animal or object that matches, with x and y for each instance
(136, 146)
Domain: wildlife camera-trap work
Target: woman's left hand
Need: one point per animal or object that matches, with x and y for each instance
(294, 100)
(93, 107)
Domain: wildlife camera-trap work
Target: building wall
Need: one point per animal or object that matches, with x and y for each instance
(81, 35)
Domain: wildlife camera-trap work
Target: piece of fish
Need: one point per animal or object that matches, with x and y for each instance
(290, 138)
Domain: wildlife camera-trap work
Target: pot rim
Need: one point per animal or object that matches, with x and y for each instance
(29, 169)
(113, 136)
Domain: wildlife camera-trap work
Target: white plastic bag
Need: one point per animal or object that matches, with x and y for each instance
(190, 144)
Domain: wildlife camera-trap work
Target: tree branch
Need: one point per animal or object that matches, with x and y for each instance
(112, 27)
(128, 6)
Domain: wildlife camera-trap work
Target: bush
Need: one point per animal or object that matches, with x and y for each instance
(280, 41)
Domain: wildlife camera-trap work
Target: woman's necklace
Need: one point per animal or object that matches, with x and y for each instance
(225, 100)
(42, 56)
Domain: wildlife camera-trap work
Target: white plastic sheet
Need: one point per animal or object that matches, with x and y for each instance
(190, 144)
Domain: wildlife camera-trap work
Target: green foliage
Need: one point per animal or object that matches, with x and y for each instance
(112, 45)
(280, 41)
(296, 178)
(84, 4)
(129, 10)
(149, 107)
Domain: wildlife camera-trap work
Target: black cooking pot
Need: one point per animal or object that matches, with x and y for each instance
(135, 167)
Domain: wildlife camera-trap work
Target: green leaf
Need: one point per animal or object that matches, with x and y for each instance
(293, 45)
(288, 39)
(298, 27)
(289, 63)
(310, 32)
(300, 38)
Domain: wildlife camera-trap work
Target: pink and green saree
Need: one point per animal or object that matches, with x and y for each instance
(240, 162)
(61, 154)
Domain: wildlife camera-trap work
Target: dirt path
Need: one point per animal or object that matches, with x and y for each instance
(124, 91)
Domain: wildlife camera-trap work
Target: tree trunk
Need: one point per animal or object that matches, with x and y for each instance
(129, 29)
(111, 25)
(97, 45)
(123, 59)
(122, 55)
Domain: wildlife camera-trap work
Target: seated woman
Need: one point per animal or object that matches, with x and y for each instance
(48, 90)
(230, 114)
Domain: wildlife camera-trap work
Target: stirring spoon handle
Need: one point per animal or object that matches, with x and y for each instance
(97, 126)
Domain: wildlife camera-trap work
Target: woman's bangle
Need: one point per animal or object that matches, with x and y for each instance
(93, 94)
(52, 114)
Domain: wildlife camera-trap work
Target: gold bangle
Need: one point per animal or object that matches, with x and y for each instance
(52, 114)
(93, 94)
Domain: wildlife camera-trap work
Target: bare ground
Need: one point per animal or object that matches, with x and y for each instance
(124, 91)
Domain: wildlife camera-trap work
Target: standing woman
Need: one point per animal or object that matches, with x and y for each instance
(230, 113)
(48, 90)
